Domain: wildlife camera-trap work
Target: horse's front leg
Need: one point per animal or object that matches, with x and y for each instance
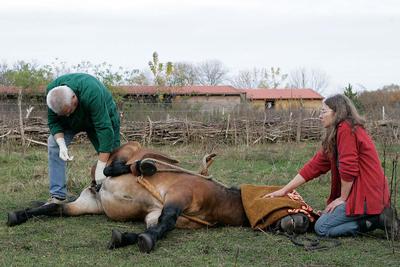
(147, 240)
(176, 200)
(119, 239)
(166, 223)
(122, 239)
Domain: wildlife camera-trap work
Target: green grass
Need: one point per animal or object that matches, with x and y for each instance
(79, 241)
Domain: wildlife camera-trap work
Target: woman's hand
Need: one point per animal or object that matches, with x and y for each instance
(278, 193)
(331, 207)
(293, 184)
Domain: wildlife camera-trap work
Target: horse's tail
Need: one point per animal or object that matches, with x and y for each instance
(117, 168)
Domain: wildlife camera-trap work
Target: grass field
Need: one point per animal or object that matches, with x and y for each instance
(79, 241)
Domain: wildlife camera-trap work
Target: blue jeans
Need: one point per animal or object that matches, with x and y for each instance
(57, 174)
(337, 223)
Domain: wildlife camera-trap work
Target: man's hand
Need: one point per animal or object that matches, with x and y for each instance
(278, 193)
(63, 150)
(99, 175)
(331, 207)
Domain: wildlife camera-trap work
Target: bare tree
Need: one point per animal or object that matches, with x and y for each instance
(273, 78)
(260, 78)
(211, 72)
(142, 78)
(314, 79)
(248, 78)
(83, 66)
(183, 74)
(59, 67)
(4, 70)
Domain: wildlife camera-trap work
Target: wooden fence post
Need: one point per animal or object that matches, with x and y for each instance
(247, 133)
(227, 127)
(299, 122)
(150, 130)
(21, 120)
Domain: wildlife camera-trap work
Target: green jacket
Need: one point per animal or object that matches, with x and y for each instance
(96, 113)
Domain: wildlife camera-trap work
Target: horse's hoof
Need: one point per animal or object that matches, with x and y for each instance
(14, 220)
(145, 243)
(116, 239)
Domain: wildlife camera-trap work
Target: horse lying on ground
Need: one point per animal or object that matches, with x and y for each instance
(164, 199)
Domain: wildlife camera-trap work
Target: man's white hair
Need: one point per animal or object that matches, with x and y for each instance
(59, 97)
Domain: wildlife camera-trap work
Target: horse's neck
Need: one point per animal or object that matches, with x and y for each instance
(231, 207)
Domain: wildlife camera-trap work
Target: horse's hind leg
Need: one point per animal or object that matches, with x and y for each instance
(86, 203)
(21, 216)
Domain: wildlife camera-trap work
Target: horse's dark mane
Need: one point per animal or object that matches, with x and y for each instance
(231, 200)
(230, 190)
(234, 189)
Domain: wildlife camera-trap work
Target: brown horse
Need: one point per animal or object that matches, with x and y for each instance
(164, 200)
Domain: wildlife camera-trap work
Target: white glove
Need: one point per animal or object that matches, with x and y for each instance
(63, 150)
(98, 174)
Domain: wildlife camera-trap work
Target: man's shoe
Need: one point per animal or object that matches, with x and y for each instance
(389, 222)
(56, 200)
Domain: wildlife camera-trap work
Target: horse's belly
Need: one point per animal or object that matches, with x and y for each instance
(120, 208)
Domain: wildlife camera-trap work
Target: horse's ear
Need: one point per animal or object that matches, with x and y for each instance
(160, 157)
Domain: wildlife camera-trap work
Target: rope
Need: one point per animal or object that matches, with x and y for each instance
(309, 244)
(313, 244)
(150, 187)
(180, 169)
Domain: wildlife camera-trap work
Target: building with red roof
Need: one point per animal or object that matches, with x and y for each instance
(283, 99)
(206, 98)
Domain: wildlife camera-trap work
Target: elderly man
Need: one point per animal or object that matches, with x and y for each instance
(76, 103)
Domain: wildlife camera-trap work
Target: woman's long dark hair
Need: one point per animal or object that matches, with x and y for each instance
(344, 110)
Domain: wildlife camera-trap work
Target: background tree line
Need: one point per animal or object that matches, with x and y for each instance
(209, 72)
(32, 75)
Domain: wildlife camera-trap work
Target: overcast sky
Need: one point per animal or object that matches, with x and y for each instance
(352, 41)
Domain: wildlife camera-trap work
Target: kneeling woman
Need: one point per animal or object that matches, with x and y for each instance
(359, 199)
